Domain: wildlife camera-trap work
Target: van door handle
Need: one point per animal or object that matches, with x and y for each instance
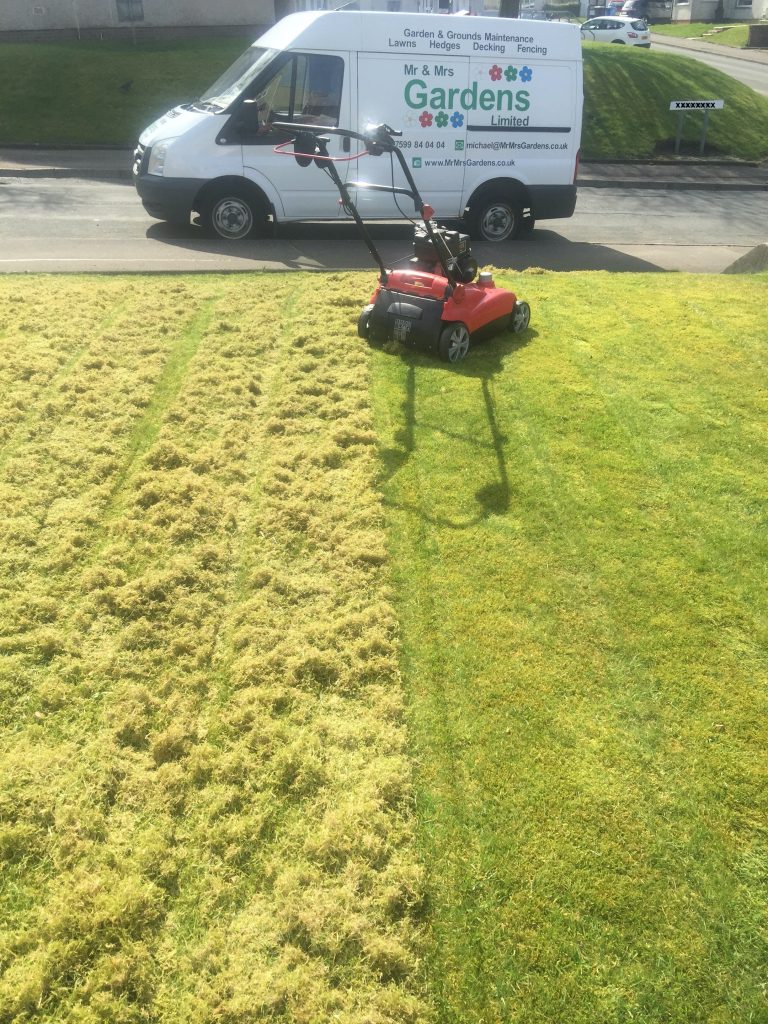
(345, 144)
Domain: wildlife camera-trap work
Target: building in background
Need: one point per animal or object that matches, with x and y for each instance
(88, 19)
(146, 18)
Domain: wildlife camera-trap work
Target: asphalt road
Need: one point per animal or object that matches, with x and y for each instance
(753, 74)
(72, 225)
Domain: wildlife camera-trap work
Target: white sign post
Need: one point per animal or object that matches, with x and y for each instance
(684, 107)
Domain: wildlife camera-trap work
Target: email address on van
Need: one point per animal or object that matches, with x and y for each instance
(498, 144)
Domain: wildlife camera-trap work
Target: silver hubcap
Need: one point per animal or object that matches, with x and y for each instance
(459, 344)
(497, 223)
(232, 218)
(521, 317)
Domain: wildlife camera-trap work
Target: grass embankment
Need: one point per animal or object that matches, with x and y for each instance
(626, 107)
(71, 94)
(205, 787)
(726, 35)
(205, 799)
(579, 527)
(104, 93)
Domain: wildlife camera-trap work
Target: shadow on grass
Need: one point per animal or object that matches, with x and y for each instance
(484, 361)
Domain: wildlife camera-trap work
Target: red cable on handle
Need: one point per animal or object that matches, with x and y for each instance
(281, 151)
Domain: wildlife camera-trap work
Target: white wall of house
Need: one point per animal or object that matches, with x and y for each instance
(745, 10)
(733, 10)
(487, 8)
(51, 15)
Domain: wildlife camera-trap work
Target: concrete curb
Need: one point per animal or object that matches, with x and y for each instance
(679, 186)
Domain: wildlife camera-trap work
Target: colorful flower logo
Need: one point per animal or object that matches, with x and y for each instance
(457, 119)
(441, 120)
(495, 73)
(526, 74)
(510, 74)
(425, 119)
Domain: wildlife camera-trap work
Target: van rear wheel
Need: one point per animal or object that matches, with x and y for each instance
(495, 219)
(231, 215)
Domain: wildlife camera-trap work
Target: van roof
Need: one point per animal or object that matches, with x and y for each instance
(434, 35)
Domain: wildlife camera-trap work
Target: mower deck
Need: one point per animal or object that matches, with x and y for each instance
(414, 308)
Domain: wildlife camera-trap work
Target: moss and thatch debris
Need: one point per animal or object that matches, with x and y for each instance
(205, 797)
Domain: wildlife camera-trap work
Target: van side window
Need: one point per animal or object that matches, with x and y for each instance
(318, 89)
(307, 89)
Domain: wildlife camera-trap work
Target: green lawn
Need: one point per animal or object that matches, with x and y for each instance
(344, 685)
(70, 93)
(726, 35)
(578, 531)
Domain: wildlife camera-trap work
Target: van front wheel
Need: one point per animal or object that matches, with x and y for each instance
(231, 216)
(495, 219)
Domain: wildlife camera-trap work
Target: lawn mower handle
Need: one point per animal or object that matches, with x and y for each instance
(379, 140)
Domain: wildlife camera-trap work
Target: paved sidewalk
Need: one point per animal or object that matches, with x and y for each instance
(88, 162)
(675, 174)
(115, 165)
(738, 53)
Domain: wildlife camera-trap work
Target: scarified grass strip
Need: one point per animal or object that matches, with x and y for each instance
(205, 794)
(35, 355)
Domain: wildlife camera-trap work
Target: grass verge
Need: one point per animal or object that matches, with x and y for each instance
(578, 530)
(726, 35)
(642, 123)
(75, 94)
(205, 799)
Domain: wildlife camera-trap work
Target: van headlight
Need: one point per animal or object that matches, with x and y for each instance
(157, 159)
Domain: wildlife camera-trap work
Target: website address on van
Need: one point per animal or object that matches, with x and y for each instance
(482, 161)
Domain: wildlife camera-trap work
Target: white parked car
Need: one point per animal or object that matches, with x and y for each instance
(613, 29)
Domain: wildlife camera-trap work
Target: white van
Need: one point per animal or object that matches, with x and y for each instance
(490, 111)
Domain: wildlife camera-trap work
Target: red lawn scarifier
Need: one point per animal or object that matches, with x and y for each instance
(436, 304)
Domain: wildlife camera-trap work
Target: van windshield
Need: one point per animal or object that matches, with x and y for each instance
(237, 78)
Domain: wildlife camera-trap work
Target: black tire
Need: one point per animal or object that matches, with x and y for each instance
(495, 218)
(521, 317)
(621, 42)
(454, 342)
(231, 215)
(363, 330)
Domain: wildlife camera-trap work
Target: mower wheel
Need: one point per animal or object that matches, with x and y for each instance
(363, 329)
(454, 343)
(521, 317)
